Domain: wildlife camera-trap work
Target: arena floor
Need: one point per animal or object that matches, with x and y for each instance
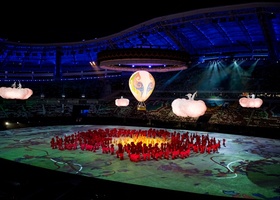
(244, 167)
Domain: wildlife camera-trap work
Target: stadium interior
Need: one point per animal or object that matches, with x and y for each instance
(228, 52)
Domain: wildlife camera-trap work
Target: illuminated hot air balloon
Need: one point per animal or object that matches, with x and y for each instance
(141, 84)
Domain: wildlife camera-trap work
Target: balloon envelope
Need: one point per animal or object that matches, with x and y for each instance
(141, 84)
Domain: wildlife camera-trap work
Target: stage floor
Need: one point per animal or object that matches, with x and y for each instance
(245, 167)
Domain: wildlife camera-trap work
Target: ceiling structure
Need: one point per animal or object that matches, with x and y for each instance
(244, 31)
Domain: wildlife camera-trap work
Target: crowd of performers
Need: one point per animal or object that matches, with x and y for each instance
(139, 145)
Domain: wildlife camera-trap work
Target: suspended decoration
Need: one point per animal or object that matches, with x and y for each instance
(141, 84)
(250, 101)
(122, 102)
(183, 107)
(15, 92)
(148, 59)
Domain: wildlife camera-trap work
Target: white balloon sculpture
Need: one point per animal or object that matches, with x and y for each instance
(250, 101)
(122, 101)
(188, 107)
(15, 92)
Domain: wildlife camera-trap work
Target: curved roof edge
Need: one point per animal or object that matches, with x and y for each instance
(155, 20)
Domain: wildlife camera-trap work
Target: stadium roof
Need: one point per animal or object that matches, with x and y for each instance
(243, 31)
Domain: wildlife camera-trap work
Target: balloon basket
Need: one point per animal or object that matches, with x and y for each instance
(141, 106)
